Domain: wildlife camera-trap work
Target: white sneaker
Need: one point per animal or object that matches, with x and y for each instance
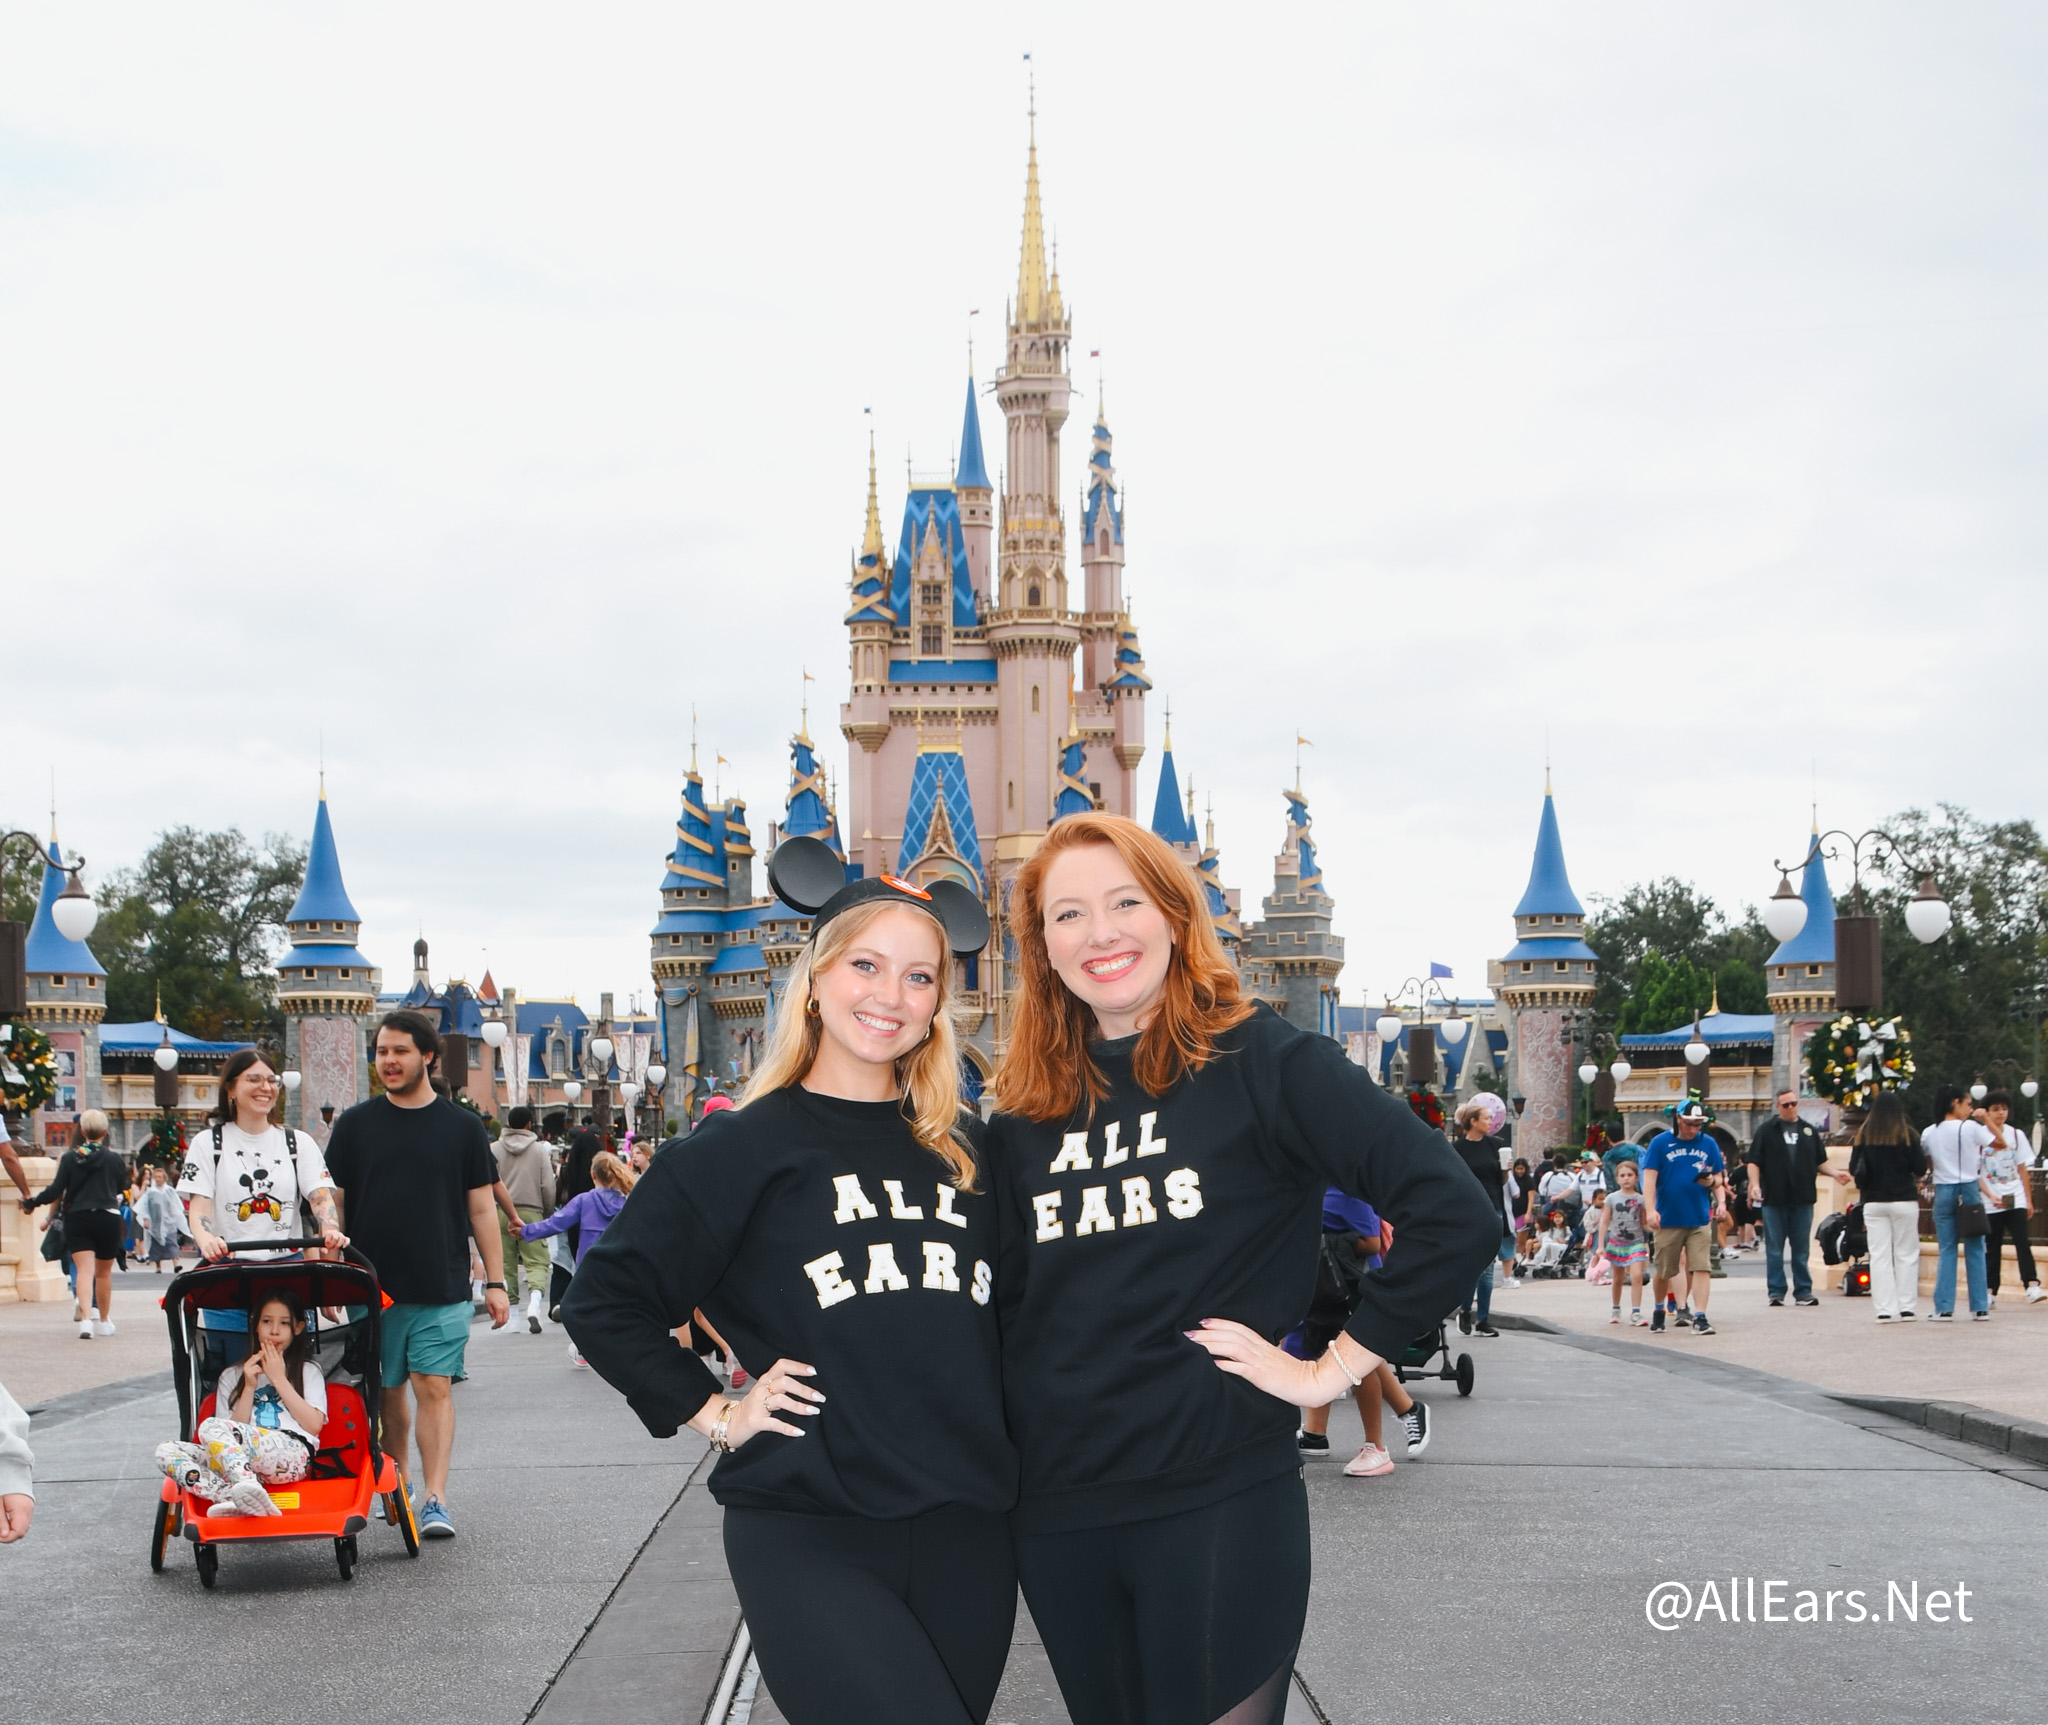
(251, 1499)
(104, 1329)
(576, 1358)
(85, 1329)
(533, 1305)
(2035, 1292)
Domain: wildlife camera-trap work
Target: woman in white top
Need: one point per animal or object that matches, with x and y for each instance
(1955, 1144)
(242, 1181)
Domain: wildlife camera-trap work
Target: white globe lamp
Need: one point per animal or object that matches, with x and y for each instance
(166, 1057)
(601, 1047)
(1453, 1028)
(74, 912)
(495, 1032)
(572, 1090)
(1979, 1091)
(1927, 912)
(1619, 1071)
(2030, 1088)
(1588, 1071)
(1784, 910)
(1389, 1026)
(290, 1080)
(657, 1074)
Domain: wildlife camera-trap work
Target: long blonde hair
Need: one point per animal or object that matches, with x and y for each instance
(607, 1170)
(929, 1074)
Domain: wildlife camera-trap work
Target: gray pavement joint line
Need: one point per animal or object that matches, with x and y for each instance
(1309, 1700)
(547, 1688)
(1790, 1393)
(99, 1398)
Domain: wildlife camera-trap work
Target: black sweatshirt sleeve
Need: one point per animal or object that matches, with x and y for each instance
(1364, 1142)
(649, 1273)
(60, 1182)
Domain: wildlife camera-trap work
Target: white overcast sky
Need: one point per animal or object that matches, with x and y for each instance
(483, 386)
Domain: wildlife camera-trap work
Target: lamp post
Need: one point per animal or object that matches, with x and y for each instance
(1859, 948)
(601, 1091)
(1422, 1034)
(657, 1075)
(74, 913)
(494, 1032)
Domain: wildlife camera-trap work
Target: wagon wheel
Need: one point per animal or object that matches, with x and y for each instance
(161, 1533)
(345, 1555)
(398, 1511)
(207, 1557)
(1464, 1374)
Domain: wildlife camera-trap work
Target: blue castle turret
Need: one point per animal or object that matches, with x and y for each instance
(1291, 945)
(67, 1002)
(1549, 971)
(1171, 819)
(326, 989)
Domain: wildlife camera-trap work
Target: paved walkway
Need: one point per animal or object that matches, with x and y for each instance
(1504, 1575)
(1837, 1345)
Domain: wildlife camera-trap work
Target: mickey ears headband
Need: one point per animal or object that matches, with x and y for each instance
(807, 877)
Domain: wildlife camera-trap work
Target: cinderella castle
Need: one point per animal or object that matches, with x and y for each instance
(992, 690)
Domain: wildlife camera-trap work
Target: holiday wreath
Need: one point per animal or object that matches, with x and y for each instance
(28, 1070)
(1850, 1060)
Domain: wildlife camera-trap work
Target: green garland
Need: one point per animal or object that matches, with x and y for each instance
(28, 1070)
(166, 1145)
(1850, 1060)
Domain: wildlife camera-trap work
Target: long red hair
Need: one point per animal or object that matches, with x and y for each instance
(1046, 1071)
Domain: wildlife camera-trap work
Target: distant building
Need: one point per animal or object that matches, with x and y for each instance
(67, 1001)
(326, 990)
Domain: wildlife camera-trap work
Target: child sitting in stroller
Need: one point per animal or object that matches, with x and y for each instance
(1549, 1247)
(268, 1412)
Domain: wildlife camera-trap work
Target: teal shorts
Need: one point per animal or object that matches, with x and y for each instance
(428, 1339)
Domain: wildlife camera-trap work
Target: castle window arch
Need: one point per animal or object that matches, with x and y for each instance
(1032, 597)
(1013, 793)
(1034, 686)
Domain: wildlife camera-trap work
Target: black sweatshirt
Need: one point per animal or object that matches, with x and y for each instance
(1109, 1255)
(818, 1230)
(1887, 1173)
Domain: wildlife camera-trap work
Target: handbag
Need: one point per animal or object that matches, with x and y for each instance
(56, 1248)
(1971, 1221)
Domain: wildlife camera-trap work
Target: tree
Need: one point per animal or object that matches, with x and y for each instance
(1668, 993)
(201, 919)
(1972, 999)
(1673, 922)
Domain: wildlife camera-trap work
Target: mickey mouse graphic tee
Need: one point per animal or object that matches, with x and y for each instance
(820, 1230)
(258, 1184)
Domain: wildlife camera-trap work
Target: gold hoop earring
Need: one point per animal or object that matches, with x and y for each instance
(811, 1007)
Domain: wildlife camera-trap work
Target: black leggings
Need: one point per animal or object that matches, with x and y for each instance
(2012, 1225)
(1189, 1619)
(859, 1622)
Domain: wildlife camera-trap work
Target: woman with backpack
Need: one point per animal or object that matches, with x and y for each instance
(90, 1186)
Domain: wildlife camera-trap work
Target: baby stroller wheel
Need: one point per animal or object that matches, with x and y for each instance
(398, 1511)
(1464, 1374)
(161, 1534)
(345, 1555)
(207, 1557)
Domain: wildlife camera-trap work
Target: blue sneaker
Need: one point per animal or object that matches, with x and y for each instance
(435, 1522)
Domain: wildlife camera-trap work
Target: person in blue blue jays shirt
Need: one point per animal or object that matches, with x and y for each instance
(1682, 1171)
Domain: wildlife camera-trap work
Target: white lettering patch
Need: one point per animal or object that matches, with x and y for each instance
(944, 1211)
(1047, 1204)
(1112, 1151)
(984, 1278)
(882, 1270)
(1138, 1201)
(1095, 1216)
(853, 1202)
(824, 1275)
(1183, 1193)
(897, 1208)
(1073, 1153)
(938, 1267)
(1147, 1144)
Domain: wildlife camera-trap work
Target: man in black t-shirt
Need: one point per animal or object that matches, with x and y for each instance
(416, 1173)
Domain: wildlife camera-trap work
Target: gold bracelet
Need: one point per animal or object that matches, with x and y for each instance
(1332, 1354)
(719, 1440)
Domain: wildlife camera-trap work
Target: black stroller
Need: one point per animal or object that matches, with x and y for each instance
(1844, 1240)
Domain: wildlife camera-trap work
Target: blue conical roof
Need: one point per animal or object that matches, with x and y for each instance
(1815, 941)
(323, 898)
(972, 469)
(1169, 817)
(47, 948)
(1549, 891)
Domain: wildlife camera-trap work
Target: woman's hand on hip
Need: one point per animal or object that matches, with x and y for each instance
(779, 1389)
(1244, 1353)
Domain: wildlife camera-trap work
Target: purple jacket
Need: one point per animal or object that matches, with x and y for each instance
(591, 1212)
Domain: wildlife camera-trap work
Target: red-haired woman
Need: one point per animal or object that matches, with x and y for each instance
(1159, 1160)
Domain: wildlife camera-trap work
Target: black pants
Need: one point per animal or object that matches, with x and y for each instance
(859, 1622)
(1189, 1619)
(2012, 1225)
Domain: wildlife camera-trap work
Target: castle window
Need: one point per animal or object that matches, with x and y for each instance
(1813, 970)
(345, 975)
(928, 592)
(92, 982)
(309, 976)
(1013, 793)
(1527, 967)
(1034, 686)
(1562, 967)
(932, 640)
(675, 940)
(1781, 973)
(1558, 920)
(1031, 596)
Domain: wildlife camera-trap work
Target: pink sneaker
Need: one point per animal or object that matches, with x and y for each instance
(739, 1376)
(1369, 1461)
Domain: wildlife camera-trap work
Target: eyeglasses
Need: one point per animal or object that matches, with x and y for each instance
(267, 1083)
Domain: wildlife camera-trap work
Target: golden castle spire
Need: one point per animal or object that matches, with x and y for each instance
(1033, 293)
(871, 541)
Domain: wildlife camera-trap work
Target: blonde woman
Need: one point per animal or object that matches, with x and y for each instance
(89, 1184)
(834, 1229)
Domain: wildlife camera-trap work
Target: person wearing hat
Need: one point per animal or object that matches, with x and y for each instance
(1681, 1168)
(833, 1226)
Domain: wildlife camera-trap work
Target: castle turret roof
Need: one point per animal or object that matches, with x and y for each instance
(1073, 798)
(1815, 941)
(939, 815)
(972, 471)
(323, 898)
(1549, 892)
(1169, 818)
(47, 949)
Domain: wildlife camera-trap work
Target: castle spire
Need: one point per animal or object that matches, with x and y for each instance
(972, 470)
(1549, 892)
(871, 541)
(1033, 291)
